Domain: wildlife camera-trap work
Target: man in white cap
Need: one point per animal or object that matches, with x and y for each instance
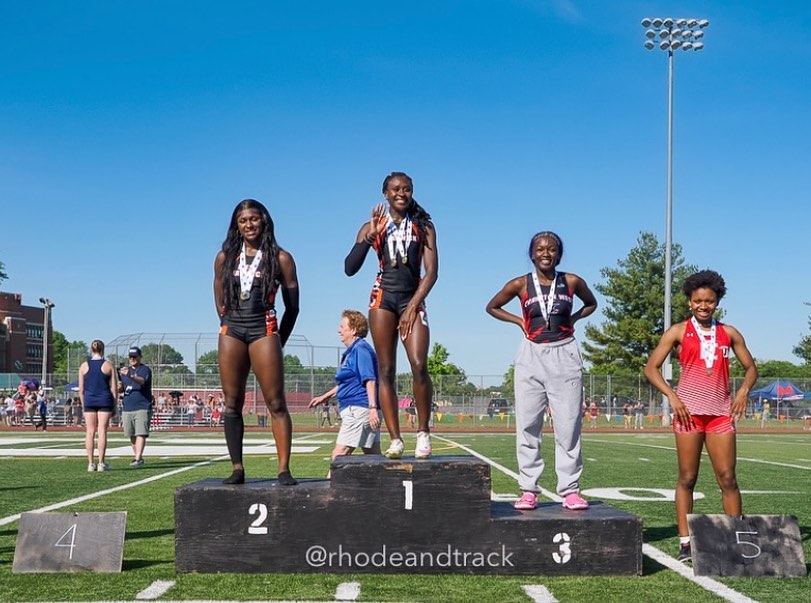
(136, 379)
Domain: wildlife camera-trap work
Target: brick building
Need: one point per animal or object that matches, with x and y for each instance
(22, 332)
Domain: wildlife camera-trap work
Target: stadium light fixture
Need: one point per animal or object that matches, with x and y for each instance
(674, 34)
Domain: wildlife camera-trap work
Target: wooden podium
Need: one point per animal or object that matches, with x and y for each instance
(377, 515)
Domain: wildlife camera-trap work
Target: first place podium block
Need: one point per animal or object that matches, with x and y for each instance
(395, 516)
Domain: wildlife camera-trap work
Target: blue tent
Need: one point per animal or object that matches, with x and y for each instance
(779, 390)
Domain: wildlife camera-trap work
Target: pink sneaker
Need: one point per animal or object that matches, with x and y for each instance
(527, 502)
(575, 502)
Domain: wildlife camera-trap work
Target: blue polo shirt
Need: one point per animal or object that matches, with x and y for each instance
(138, 396)
(358, 365)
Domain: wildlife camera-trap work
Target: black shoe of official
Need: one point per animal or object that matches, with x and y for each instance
(685, 554)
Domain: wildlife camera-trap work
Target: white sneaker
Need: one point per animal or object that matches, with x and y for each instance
(103, 467)
(396, 449)
(91, 467)
(423, 450)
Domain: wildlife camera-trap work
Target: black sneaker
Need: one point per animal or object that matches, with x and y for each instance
(685, 554)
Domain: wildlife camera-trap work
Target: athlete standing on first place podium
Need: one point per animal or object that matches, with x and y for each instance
(247, 274)
(705, 412)
(404, 239)
(548, 368)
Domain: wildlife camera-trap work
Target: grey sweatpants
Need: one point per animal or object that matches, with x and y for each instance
(549, 374)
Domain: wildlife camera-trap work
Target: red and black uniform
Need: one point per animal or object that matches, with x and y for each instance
(396, 281)
(251, 319)
(560, 319)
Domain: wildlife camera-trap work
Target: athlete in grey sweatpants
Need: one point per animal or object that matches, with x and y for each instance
(548, 368)
(549, 374)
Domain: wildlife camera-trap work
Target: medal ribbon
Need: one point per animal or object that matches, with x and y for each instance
(708, 343)
(546, 310)
(246, 272)
(398, 238)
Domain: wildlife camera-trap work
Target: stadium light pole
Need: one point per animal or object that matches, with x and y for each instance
(671, 34)
(48, 306)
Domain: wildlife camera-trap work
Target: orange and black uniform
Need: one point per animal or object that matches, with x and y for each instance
(396, 281)
(252, 318)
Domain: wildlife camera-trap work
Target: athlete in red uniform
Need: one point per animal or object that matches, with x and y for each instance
(704, 411)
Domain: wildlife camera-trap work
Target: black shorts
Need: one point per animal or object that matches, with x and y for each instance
(250, 330)
(394, 301)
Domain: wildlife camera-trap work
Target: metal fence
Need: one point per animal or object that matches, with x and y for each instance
(471, 397)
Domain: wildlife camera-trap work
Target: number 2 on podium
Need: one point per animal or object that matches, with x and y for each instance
(261, 512)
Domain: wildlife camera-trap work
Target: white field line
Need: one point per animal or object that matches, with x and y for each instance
(155, 590)
(673, 449)
(713, 586)
(347, 591)
(539, 593)
(73, 501)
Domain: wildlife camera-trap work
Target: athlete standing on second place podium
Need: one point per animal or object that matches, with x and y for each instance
(248, 271)
(404, 239)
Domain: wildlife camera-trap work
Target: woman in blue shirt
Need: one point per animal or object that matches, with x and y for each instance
(356, 387)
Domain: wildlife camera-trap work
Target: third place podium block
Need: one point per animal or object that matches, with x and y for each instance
(429, 516)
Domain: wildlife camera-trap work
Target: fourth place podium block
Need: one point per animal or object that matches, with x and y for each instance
(430, 516)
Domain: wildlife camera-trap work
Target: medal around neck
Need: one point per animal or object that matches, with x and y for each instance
(247, 272)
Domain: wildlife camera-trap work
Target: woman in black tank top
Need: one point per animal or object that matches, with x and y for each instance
(250, 249)
(403, 236)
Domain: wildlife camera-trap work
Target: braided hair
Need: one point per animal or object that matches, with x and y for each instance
(547, 234)
(415, 211)
(232, 247)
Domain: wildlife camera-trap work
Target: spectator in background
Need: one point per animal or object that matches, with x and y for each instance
(98, 391)
(639, 414)
(594, 413)
(627, 415)
(136, 415)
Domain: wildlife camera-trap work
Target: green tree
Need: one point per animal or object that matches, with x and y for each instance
(3, 275)
(803, 348)
(634, 291)
(449, 379)
(68, 355)
(782, 369)
(207, 364)
(164, 357)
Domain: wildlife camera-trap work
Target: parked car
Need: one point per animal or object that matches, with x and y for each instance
(498, 405)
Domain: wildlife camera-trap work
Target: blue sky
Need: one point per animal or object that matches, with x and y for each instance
(131, 129)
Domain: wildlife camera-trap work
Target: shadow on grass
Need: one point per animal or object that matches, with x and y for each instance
(134, 564)
(658, 534)
(149, 534)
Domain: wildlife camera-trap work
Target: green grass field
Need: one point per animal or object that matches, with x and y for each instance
(774, 471)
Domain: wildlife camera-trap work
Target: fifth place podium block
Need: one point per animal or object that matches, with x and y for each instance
(431, 516)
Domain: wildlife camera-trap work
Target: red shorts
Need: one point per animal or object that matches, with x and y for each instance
(705, 424)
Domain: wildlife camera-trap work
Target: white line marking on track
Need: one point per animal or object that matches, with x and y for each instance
(673, 449)
(155, 590)
(502, 468)
(73, 501)
(713, 586)
(539, 593)
(347, 591)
